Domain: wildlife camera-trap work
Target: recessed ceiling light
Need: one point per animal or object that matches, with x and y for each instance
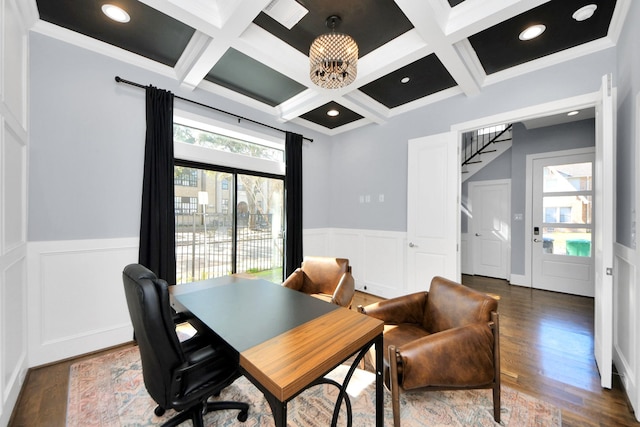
(585, 12)
(573, 113)
(405, 80)
(333, 113)
(532, 32)
(116, 13)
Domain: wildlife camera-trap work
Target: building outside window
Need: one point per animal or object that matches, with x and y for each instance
(227, 220)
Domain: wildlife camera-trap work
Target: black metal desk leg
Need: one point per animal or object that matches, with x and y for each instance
(379, 382)
(279, 410)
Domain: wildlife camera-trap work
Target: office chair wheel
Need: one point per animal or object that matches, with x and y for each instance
(159, 411)
(243, 415)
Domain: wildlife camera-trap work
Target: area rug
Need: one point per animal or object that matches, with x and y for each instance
(109, 391)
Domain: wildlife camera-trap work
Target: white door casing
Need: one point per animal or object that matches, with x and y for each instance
(433, 194)
(604, 238)
(554, 265)
(490, 227)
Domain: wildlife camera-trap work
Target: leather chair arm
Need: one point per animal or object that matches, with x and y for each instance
(343, 295)
(403, 309)
(458, 357)
(295, 280)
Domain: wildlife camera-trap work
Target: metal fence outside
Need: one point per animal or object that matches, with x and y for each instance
(204, 246)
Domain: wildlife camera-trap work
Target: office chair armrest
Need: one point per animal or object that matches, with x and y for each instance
(295, 280)
(404, 309)
(197, 370)
(457, 357)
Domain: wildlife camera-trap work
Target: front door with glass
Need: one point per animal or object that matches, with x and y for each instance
(562, 218)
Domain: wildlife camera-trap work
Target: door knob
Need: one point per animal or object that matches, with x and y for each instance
(537, 241)
(411, 245)
(478, 234)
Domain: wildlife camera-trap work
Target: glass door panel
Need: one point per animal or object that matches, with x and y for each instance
(217, 235)
(204, 223)
(259, 226)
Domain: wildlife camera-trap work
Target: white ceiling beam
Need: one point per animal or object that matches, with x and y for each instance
(472, 17)
(401, 51)
(210, 42)
(366, 106)
(300, 104)
(423, 19)
(263, 46)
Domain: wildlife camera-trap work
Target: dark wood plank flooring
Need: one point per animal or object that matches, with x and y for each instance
(546, 351)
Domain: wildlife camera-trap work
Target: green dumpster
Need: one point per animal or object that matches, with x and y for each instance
(579, 247)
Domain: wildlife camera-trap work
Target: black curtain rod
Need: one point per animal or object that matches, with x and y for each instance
(121, 80)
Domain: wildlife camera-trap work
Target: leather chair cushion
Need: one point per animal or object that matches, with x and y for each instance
(322, 274)
(458, 357)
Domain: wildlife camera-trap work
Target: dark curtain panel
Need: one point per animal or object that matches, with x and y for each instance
(157, 224)
(293, 187)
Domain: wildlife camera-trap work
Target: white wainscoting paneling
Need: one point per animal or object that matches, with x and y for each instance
(377, 258)
(76, 297)
(626, 330)
(13, 328)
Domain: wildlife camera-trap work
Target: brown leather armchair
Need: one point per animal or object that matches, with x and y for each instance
(447, 338)
(326, 278)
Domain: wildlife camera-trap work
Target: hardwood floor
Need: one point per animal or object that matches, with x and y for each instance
(546, 343)
(546, 349)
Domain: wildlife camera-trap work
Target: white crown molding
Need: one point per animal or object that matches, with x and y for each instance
(550, 60)
(82, 41)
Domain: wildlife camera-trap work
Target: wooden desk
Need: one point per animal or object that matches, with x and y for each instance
(286, 340)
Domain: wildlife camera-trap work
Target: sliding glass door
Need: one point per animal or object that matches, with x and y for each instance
(227, 221)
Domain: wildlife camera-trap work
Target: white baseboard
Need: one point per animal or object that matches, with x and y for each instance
(520, 280)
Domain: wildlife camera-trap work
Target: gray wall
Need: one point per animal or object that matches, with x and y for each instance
(512, 165)
(87, 137)
(628, 85)
(373, 159)
(87, 144)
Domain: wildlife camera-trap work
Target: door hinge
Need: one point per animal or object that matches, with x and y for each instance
(609, 271)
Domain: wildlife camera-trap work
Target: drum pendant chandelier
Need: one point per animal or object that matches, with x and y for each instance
(333, 58)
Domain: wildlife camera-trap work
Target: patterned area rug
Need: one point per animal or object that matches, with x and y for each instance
(109, 391)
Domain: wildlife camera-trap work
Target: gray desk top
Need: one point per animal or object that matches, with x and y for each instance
(246, 312)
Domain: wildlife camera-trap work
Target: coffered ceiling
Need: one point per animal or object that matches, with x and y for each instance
(234, 49)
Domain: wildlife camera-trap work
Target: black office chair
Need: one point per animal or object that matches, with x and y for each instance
(177, 376)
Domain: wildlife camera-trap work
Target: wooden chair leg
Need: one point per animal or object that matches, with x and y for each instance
(395, 389)
(496, 403)
(495, 318)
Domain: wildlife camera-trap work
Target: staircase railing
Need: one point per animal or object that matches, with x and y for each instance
(474, 146)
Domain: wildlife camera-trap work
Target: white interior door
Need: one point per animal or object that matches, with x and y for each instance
(490, 206)
(604, 195)
(562, 219)
(433, 224)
